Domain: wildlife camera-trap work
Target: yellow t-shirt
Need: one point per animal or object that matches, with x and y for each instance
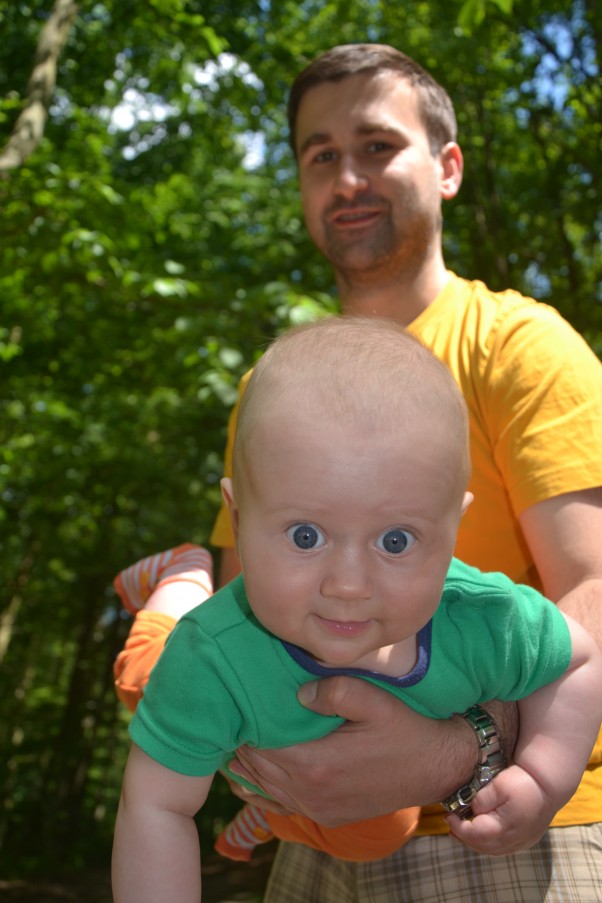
(534, 393)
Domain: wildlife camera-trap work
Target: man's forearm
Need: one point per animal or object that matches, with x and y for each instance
(384, 757)
(506, 718)
(458, 751)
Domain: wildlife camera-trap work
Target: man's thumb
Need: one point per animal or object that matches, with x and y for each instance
(307, 693)
(347, 697)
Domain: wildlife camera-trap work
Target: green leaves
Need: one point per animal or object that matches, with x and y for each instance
(473, 12)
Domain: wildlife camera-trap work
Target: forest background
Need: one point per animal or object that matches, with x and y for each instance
(151, 243)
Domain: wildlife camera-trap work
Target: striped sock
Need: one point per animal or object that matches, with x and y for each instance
(248, 829)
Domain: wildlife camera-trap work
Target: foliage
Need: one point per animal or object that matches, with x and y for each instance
(147, 257)
(473, 12)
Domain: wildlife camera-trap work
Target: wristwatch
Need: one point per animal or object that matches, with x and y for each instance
(491, 761)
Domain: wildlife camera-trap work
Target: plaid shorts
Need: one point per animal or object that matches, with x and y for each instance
(564, 867)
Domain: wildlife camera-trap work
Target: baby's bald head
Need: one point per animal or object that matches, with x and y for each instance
(363, 374)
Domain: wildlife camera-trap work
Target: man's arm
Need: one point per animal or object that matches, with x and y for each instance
(564, 534)
(559, 725)
(385, 757)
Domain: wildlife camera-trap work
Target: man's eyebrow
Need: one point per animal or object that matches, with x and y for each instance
(367, 128)
(370, 128)
(315, 138)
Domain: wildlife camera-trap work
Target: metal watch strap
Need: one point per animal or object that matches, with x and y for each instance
(491, 761)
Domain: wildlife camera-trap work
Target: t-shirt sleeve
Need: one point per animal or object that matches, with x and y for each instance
(221, 535)
(188, 719)
(544, 405)
(515, 643)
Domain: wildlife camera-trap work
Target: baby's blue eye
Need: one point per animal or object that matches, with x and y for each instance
(305, 536)
(395, 541)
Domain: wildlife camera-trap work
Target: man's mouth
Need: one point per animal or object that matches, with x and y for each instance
(345, 217)
(351, 218)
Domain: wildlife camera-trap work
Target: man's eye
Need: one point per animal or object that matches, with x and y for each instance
(395, 541)
(305, 536)
(325, 156)
(377, 147)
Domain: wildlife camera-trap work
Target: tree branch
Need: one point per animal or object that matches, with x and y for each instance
(29, 127)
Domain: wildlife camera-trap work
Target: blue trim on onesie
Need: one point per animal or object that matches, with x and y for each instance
(423, 641)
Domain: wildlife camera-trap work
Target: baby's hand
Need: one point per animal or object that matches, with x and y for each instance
(510, 814)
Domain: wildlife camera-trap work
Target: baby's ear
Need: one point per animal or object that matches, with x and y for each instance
(228, 496)
(466, 502)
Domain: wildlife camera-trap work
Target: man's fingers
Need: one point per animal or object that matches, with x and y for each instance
(255, 767)
(247, 796)
(350, 698)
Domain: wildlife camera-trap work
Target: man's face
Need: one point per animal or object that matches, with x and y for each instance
(370, 185)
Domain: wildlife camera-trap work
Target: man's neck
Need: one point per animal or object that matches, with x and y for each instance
(395, 298)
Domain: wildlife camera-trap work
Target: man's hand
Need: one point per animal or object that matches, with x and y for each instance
(385, 757)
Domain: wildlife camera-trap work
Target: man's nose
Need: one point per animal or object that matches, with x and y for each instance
(350, 177)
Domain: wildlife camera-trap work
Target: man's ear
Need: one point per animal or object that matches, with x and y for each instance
(452, 167)
(228, 496)
(466, 502)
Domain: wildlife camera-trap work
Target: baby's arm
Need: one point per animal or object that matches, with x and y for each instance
(156, 855)
(558, 728)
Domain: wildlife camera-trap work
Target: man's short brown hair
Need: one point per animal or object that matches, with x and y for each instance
(435, 107)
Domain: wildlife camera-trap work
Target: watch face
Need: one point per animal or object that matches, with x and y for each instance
(491, 762)
(467, 794)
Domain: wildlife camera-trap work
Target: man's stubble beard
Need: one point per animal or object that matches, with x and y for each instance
(385, 251)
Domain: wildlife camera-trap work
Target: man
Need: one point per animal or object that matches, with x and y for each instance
(375, 141)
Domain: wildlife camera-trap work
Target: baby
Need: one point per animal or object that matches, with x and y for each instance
(350, 472)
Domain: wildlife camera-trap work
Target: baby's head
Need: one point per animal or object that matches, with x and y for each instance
(350, 471)
(358, 374)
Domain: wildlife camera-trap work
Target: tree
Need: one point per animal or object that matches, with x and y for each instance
(29, 127)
